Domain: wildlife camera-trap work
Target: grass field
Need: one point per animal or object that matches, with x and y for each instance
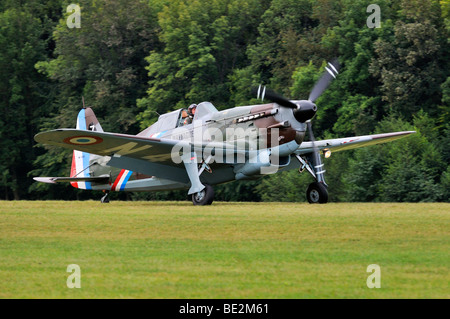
(227, 250)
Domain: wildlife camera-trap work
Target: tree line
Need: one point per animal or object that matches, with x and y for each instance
(132, 60)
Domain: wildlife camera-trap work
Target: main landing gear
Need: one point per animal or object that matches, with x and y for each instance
(317, 192)
(200, 194)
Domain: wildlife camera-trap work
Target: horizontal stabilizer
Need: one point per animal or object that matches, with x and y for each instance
(54, 180)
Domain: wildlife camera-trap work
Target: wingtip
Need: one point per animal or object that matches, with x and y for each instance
(38, 137)
(48, 180)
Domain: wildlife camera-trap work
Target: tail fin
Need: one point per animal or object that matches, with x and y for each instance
(88, 121)
(82, 161)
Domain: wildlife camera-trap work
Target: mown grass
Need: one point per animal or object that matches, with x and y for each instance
(227, 250)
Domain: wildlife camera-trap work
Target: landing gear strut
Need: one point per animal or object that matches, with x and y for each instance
(317, 192)
(105, 198)
(199, 193)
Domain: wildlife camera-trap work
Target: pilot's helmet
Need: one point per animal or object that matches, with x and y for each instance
(191, 108)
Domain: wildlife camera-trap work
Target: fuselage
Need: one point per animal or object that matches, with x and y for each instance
(254, 129)
(231, 125)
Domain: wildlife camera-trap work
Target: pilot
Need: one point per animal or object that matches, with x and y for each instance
(184, 116)
(191, 110)
(191, 113)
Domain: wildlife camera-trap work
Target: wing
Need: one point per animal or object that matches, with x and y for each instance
(348, 143)
(109, 144)
(150, 156)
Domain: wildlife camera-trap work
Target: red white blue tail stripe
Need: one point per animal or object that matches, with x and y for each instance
(121, 180)
(80, 160)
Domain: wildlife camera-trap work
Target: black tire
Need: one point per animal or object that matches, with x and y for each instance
(205, 197)
(317, 193)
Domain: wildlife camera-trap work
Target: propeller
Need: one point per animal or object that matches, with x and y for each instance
(305, 110)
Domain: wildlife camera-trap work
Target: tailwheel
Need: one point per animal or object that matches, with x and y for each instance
(317, 193)
(105, 198)
(204, 197)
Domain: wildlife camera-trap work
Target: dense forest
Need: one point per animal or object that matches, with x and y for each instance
(133, 59)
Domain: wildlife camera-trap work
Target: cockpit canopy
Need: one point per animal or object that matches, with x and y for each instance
(204, 111)
(174, 119)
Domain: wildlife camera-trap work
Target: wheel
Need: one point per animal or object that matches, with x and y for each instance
(205, 197)
(317, 193)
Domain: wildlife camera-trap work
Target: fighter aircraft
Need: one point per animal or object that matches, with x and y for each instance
(197, 151)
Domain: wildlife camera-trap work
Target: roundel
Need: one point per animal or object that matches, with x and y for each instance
(83, 140)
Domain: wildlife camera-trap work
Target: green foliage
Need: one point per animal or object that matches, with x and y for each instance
(104, 62)
(289, 37)
(355, 116)
(403, 171)
(287, 186)
(238, 191)
(444, 109)
(134, 59)
(203, 41)
(241, 80)
(22, 92)
(445, 184)
(352, 99)
(304, 78)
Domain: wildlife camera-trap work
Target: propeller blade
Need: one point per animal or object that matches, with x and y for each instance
(331, 71)
(316, 155)
(311, 135)
(274, 97)
(259, 92)
(317, 161)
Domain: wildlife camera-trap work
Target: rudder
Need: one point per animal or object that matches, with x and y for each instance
(81, 161)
